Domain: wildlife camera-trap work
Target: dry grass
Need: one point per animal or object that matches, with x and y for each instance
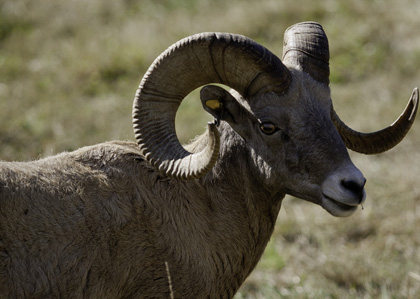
(168, 273)
(69, 70)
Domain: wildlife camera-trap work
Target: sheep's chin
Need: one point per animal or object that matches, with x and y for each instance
(336, 208)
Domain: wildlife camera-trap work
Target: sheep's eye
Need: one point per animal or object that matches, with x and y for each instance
(268, 128)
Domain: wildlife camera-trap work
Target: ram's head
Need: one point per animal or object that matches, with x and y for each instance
(295, 141)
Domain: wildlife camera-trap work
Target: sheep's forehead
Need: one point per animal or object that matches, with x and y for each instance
(303, 89)
(272, 103)
(296, 105)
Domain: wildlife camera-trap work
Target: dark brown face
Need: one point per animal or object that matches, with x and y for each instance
(254, 72)
(297, 150)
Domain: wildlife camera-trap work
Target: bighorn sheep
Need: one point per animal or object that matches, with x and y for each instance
(103, 221)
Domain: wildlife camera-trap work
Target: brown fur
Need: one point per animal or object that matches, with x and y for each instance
(100, 222)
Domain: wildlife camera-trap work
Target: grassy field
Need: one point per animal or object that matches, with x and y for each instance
(69, 71)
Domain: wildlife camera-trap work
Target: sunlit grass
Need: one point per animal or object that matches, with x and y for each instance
(69, 71)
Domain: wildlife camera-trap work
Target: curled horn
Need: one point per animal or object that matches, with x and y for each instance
(306, 46)
(382, 140)
(229, 59)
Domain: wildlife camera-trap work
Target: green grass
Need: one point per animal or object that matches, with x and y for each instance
(69, 71)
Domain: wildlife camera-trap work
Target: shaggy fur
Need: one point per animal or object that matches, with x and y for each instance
(100, 222)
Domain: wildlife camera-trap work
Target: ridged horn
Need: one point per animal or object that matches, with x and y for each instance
(383, 140)
(306, 46)
(229, 59)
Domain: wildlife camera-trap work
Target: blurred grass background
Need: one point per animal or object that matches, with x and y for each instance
(69, 71)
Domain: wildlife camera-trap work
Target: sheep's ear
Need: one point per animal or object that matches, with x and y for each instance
(220, 103)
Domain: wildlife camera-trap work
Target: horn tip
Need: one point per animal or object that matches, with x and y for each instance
(415, 95)
(414, 100)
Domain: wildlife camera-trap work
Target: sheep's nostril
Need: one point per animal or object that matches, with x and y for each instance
(355, 187)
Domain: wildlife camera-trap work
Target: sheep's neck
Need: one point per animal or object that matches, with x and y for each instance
(242, 219)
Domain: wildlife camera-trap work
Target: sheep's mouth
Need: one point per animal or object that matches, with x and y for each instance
(338, 208)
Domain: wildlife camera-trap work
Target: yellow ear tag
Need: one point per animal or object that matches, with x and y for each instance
(214, 104)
